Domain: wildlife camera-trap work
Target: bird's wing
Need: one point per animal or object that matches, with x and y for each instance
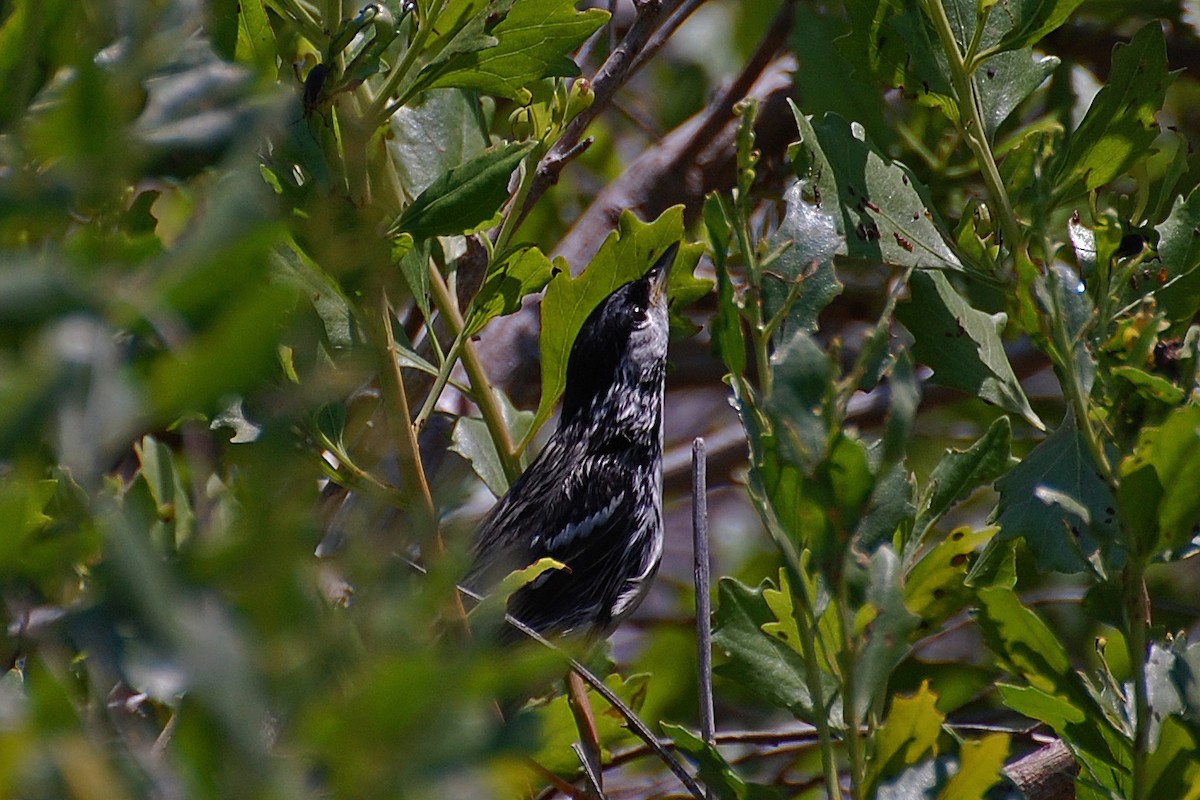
(571, 515)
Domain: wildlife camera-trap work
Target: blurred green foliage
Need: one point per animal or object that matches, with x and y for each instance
(244, 244)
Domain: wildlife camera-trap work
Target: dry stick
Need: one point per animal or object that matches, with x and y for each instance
(412, 470)
(402, 430)
(588, 746)
(703, 610)
(636, 725)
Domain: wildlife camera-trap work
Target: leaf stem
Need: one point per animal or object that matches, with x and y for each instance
(379, 110)
(400, 419)
(972, 123)
(481, 386)
(806, 623)
(1137, 615)
(848, 658)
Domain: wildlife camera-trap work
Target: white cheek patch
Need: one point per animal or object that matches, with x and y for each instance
(585, 526)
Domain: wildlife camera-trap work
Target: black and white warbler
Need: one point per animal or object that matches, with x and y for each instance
(592, 499)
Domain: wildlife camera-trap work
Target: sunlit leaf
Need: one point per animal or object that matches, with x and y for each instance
(1119, 125)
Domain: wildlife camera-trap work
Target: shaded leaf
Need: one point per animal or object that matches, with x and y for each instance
(766, 666)
(1057, 500)
(524, 272)
(962, 344)
(1027, 21)
(810, 240)
(1179, 249)
(962, 471)
(473, 441)
(894, 42)
(887, 633)
(464, 196)
(430, 136)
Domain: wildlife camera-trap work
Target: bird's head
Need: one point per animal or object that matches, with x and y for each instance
(623, 341)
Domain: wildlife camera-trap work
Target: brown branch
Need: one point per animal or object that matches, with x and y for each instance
(612, 75)
(1045, 774)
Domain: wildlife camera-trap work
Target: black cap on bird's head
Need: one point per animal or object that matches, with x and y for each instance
(624, 337)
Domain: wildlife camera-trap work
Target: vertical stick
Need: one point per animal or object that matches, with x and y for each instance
(703, 610)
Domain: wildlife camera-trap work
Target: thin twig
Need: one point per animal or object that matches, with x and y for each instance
(481, 386)
(402, 431)
(639, 729)
(635, 724)
(703, 610)
(611, 76)
(588, 746)
(703, 607)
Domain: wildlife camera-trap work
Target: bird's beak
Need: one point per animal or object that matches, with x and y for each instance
(660, 274)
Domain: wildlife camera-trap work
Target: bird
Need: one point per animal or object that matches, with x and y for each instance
(592, 499)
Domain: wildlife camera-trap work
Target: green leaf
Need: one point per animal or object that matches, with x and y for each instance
(557, 729)
(1027, 21)
(473, 441)
(494, 604)
(1057, 695)
(904, 397)
(887, 632)
(1179, 249)
(809, 239)
(893, 41)
(934, 587)
(962, 471)
(770, 668)
(436, 133)
(1003, 81)
(979, 767)
(1028, 648)
(715, 772)
(625, 255)
(1057, 500)
(22, 513)
(1119, 126)
(907, 736)
(1157, 491)
(1148, 385)
(464, 196)
(1173, 768)
(413, 260)
(890, 506)
(962, 344)
(879, 208)
(533, 41)
(524, 272)
(802, 391)
(228, 358)
(170, 496)
(255, 39)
